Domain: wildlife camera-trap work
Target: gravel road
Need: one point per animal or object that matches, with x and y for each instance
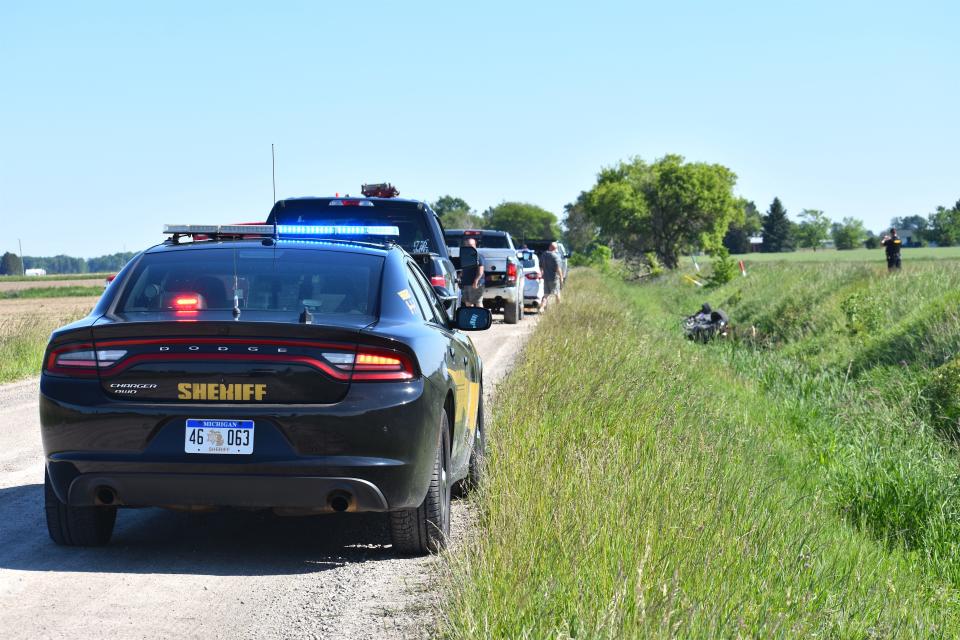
(215, 575)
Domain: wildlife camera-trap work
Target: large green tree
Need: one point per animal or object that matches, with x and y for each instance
(10, 264)
(777, 229)
(848, 234)
(945, 226)
(455, 213)
(668, 207)
(813, 229)
(524, 221)
(580, 232)
(737, 239)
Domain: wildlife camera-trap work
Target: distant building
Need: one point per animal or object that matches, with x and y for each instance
(756, 243)
(35, 272)
(910, 237)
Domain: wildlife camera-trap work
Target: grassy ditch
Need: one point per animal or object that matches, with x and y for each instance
(22, 342)
(50, 292)
(644, 486)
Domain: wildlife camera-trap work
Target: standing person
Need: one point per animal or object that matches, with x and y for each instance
(471, 274)
(552, 274)
(892, 244)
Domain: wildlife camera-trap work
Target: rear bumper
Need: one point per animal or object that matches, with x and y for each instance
(278, 492)
(377, 446)
(499, 295)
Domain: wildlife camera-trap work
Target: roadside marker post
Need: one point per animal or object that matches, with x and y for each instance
(743, 269)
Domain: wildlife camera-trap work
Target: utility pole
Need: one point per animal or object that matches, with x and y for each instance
(23, 267)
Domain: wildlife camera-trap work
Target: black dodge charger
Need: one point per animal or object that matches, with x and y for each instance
(302, 368)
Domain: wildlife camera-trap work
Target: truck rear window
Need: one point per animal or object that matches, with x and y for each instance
(487, 240)
(275, 280)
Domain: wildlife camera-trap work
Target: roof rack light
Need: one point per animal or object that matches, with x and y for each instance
(327, 230)
(219, 229)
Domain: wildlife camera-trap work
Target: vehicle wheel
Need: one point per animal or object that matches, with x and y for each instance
(478, 455)
(520, 306)
(76, 526)
(510, 313)
(425, 529)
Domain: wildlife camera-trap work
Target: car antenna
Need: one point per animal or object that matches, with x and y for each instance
(236, 287)
(273, 164)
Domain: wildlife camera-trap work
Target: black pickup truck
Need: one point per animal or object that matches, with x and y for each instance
(421, 234)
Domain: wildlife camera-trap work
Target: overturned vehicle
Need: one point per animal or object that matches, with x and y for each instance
(706, 324)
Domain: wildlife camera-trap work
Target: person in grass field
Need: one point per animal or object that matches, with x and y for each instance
(892, 245)
(552, 274)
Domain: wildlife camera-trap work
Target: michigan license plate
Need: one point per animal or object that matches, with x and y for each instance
(218, 436)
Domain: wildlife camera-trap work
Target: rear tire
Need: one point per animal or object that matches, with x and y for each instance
(478, 455)
(76, 526)
(426, 529)
(510, 313)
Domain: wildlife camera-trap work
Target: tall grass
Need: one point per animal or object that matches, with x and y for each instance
(643, 486)
(50, 292)
(22, 343)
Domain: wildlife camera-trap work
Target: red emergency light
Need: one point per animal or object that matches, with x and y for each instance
(380, 190)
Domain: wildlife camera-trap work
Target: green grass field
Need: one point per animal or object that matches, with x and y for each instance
(50, 292)
(792, 481)
(853, 255)
(54, 276)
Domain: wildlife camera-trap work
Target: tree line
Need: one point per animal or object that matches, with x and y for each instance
(524, 221)
(655, 212)
(10, 263)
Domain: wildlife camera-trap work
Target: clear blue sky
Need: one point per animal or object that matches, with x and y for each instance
(116, 118)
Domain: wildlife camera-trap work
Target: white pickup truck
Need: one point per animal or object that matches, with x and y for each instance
(503, 272)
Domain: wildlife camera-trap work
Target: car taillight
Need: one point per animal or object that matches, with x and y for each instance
(372, 364)
(511, 271)
(438, 281)
(533, 276)
(82, 359)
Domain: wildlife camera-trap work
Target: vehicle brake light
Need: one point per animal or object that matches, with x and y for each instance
(534, 276)
(82, 359)
(372, 364)
(511, 271)
(438, 281)
(186, 303)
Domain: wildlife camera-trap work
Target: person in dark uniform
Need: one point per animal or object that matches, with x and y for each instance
(892, 244)
(471, 276)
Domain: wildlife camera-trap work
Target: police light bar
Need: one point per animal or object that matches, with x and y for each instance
(326, 230)
(219, 229)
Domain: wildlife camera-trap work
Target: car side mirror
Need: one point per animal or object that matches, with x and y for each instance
(474, 319)
(447, 299)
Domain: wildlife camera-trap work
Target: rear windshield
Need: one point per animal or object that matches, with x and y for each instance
(488, 240)
(417, 234)
(273, 283)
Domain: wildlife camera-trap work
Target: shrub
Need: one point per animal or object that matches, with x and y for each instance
(724, 268)
(863, 312)
(943, 395)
